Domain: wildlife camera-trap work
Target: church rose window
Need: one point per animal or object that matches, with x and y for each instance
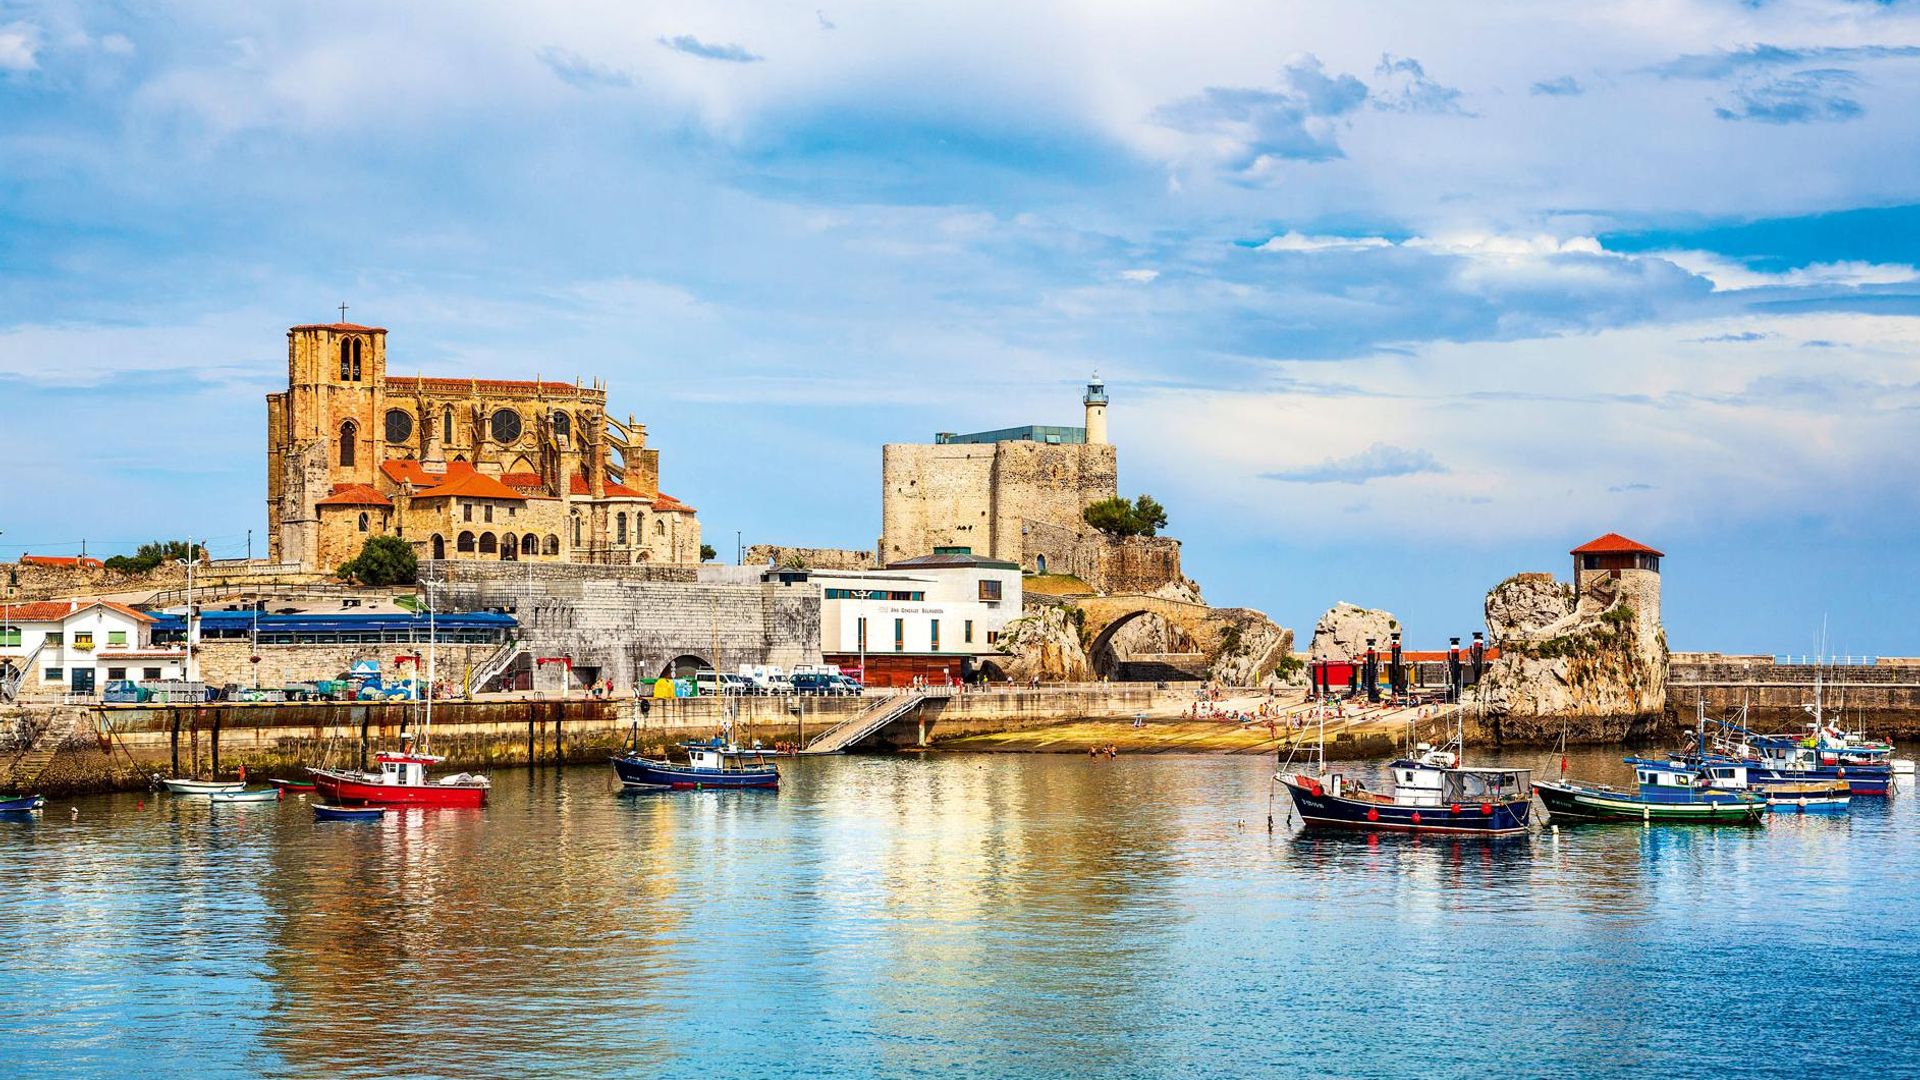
(399, 425)
(506, 426)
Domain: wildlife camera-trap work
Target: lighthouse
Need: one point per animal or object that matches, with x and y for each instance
(1096, 402)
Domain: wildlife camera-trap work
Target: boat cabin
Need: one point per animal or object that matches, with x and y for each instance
(405, 770)
(721, 756)
(1433, 781)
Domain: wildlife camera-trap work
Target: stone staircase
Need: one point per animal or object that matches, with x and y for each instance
(491, 668)
(864, 723)
(39, 750)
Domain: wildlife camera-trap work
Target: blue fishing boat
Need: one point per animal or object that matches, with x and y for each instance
(328, 812)
(1816, 757)
(21, 804)
(714, 763)
(1669, 791)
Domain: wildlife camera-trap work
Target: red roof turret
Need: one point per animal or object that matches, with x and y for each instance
(1614, 544)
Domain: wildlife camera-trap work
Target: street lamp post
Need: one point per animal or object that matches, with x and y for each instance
(189, 560)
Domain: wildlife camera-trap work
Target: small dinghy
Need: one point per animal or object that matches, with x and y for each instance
(257, 795)
(292, 787)
(329, 812)
(21, 804)
(203, 787)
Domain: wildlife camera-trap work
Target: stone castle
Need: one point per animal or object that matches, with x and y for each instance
(1019, 494)
(459, 468)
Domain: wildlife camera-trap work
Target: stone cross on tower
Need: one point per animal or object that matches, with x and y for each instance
(343, 311)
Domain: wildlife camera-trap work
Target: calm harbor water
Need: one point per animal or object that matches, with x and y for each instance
(946, 915)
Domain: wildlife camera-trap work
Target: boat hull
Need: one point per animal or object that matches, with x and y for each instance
(1321, 810)
(348, 789)
(264, 795)
(203, 787)
(646, 773)
(292, 786)
(1860, 779)
(23, 804)
(1574, 802)
(323, 812)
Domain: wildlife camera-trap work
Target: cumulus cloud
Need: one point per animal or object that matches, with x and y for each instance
(576, 70)
(19, 46)
(1139, 276)
(693, 46)
(1256, 127)
(1408, 88)
(1377, 462)
(1293, 241)
(1564, 86)
(1727, 273)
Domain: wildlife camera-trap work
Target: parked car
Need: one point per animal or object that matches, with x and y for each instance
(776, 684)
(825, 685)
(848, 685)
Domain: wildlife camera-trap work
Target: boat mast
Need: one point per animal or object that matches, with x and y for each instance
(433, 640)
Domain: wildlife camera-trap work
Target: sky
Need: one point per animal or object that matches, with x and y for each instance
(1392, 300)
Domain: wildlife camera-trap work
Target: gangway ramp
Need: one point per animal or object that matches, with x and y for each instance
(864, 723)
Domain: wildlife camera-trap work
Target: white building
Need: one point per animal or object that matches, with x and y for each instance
(77, 647)
(936, 617)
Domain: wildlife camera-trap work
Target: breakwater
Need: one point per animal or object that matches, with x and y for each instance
(75, 749)
(1883, 698)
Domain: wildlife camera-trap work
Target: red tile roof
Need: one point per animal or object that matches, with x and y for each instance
(60, 560)
(354, 495)
(614, 490)
(1614, 544)
(340, 327)
(667, 504)
(471, 485)
(461, 386)
(58, 610)
(409, 471)
(523, 480)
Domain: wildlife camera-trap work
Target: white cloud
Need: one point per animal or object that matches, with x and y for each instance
(1293, 241)
(1552, 437)
(19, 47)
(1141, 276)
(1728, 273)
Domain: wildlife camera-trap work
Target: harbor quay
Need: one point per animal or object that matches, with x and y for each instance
(67, 749)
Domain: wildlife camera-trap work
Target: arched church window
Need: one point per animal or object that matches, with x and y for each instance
(562, 424)
(349, 434)
(506, 426)
(363, 521)
(464, 542)
(529, 545)
(576, 530)
(399, 425)
(553, 544)
(488, 545)
(356, 359)
(619, 528)
(446, 424)
(346, 359)
(439, 546)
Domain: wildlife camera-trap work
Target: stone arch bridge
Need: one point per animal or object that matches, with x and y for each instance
(1105, 615)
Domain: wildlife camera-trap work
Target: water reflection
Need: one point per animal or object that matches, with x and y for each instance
(901, 915)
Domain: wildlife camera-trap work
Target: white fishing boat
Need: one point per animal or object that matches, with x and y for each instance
(258, 795)
(204, 787)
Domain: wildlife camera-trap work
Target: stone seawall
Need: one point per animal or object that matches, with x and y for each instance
(72, 750)
(1883, 699)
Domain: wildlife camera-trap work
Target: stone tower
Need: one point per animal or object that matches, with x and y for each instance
(1096, 402)
(1614, 566)
(323, 430)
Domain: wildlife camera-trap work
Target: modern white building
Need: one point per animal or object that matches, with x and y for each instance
(935, 617)
(77, 647)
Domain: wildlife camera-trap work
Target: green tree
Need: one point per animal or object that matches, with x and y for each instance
(383, 560)
(1144, 516)
(148, 556)
(707, 554)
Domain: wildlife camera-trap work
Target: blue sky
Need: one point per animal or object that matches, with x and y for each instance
(1389, 307)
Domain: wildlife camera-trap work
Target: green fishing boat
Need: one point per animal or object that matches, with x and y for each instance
(1670, 792)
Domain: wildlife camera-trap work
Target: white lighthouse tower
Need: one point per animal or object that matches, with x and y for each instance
(1096, 402)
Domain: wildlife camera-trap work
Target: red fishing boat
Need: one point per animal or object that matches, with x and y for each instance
(401, 781)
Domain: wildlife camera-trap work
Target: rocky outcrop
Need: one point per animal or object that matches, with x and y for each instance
(1047, 642)
(1253, 649)
(1342, 633)
(1150, 633)
(1528, 604)
(1590, 665)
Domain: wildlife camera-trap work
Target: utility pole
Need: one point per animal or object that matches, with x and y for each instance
(249, 545)
(190, 562)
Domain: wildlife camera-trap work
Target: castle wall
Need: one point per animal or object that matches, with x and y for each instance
(982, 495)
(760, 555)
(615, 621)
